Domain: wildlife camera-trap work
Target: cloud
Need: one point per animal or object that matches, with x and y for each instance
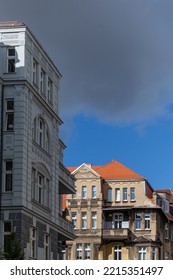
(116, 57)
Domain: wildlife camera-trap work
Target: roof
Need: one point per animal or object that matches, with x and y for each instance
(113, 170)
(11, 24)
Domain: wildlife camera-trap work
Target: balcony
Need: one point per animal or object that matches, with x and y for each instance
(117, 233)
(67, 228)
(66, 181)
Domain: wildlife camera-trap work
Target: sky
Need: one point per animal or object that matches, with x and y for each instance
(116, 95)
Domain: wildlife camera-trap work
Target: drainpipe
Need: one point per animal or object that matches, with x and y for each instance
(1, 141)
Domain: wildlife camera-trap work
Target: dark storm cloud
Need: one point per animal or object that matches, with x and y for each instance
(116, 56)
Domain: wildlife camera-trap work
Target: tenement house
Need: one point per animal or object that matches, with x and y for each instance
(118, 216)
(33, 177)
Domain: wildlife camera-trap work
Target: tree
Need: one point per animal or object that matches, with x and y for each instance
(12, 250)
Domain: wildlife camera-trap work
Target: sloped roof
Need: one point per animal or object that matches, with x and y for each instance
(113, 170)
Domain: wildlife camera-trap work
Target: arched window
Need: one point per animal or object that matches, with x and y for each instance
(40, 133)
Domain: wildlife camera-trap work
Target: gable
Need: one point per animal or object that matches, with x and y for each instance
(85, 171)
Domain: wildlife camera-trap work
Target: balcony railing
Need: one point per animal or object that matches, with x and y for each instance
(119, 234)
(66, 226)
(67, 181)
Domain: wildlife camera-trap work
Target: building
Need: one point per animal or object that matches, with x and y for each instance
(33, 177)
(118, 215)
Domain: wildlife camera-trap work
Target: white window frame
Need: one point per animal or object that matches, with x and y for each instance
(132, 194)
(147, 221)
(117, 252)
(138, 221)
(84, 220)
(117, 195)
(118, 219)
(87, 251)
(142, 253)
(84, 192)
(125, 196)
(94, 192)
(74, 219)
(94, 220)
(79, 251)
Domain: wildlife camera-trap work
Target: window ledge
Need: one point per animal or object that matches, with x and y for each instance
(41, 205)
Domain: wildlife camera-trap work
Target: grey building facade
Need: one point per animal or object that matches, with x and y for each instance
(33, 177)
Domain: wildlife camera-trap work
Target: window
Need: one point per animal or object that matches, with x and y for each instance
(46, 193)
(74, 218)
(42, 81)
(94, 220)
(125, 194)
(9, 114)
(93, 191)
(7, 233)
(153, 253)
(84, 220)
(142, 253)
(35, 72)
(118, 218)
(83, 192)
(8, 175)
(41, 134)
(50, 90)
(40, 188)
(74, 195)
(78, 251)
(46, 246)
(132, 194)
(109, 195)
(166, 206)
(166, 231)
(11, 53)
(147, 220)
(117, 194)
(137, 221)
(117, 252)
(87, 251)
(33, 239)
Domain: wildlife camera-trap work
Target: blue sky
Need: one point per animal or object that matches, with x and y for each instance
(147, 150)
(116, 91)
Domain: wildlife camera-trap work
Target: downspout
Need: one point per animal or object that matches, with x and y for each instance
(1, 149)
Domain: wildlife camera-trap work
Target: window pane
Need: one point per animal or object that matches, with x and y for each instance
(10, 104)
(109, 194)
(9, 165)
(10, 121)
(11, 52)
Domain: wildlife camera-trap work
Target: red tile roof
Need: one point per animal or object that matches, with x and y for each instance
(113, 170)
